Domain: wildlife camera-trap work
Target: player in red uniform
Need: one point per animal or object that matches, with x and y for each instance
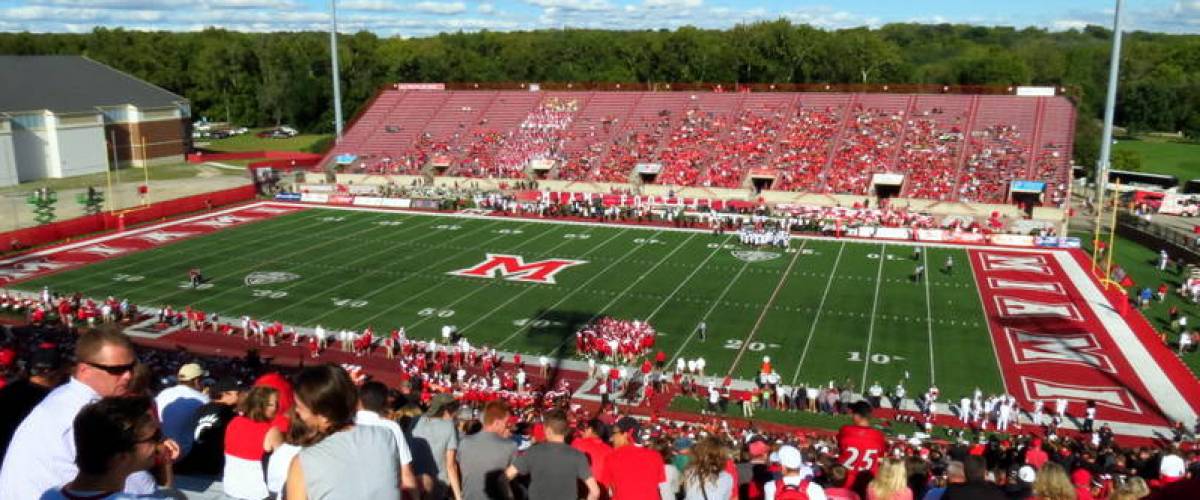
(860, 447)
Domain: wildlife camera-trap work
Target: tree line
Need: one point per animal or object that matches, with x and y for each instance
(260, 79)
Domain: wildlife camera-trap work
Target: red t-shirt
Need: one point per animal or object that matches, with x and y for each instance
(633, 473)
(596, 450)
(860, 448)
(244, 438)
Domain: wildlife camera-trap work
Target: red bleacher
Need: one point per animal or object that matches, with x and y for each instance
(947, 147)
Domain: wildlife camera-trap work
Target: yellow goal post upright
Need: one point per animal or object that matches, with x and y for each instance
(1104, 275)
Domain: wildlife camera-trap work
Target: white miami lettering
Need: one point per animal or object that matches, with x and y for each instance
(102, 250)
(1071, 348)
(221, 221)
(1013, 307)
(22, 270)
(514, 268)
(162, 236)
(1030, 286)
(1117, 398)
(1026, 263)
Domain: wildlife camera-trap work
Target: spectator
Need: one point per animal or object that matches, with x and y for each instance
(208, 429)
(247, 439)
(976, 487)
(435, 449)
(177, 405)
(1020, 484)
(339, 459)
(554, 468)
(281, 459)
(668, 489)
(1132, 489)
(631, 471)
(954, 476)
(891, 482)
(115, 437)
(36, 461)
(19, 398)
(372, 403)
(590, 441)
(485, 456)
(1052, 483)
(705, 476)
(794, 481)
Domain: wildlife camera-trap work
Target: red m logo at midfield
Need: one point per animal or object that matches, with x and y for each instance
(514, 268)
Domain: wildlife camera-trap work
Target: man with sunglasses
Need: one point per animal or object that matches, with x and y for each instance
(114, 437)
(42, 452)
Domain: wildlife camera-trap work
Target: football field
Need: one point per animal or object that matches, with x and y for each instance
(823, 310)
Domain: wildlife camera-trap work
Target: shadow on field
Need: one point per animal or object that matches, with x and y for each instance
(553, 332)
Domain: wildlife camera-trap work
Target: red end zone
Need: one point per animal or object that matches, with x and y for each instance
(80, 253)
(1057, 335)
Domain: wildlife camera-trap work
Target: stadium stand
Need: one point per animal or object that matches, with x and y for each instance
(944, 147)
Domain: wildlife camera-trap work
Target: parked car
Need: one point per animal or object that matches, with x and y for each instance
(278, 133)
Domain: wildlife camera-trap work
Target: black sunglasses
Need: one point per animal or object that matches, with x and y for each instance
(114, 370)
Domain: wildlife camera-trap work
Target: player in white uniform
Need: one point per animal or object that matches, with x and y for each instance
(964, 410)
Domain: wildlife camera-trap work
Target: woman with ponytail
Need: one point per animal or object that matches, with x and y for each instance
(339, 460)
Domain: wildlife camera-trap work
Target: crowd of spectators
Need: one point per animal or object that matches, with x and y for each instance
(444, 432)
(866, 145)
(998, 158)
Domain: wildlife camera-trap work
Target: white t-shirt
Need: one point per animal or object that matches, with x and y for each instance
(1172, 466)
(364, 417)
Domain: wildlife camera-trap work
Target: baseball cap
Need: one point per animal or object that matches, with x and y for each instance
(189, 372)
(227, 384)
(440, 402)
(789, 457)
(1027, 474)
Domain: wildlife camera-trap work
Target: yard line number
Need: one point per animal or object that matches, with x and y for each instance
(877, 358)
(433, 311)
(736, 345)
(350, 303)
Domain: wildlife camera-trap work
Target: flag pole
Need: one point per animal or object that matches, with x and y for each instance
(1112, 237)
(145, 172)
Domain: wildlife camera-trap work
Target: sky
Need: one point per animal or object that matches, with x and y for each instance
(409, 18)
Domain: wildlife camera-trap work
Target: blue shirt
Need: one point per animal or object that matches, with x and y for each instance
(42, 453)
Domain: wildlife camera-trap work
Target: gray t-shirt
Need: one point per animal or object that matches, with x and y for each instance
(361, 462)
(721, 489)
(482, 458)
(431, 438)
(553, 469)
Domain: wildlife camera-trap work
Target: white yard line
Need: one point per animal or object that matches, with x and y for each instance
(874, 307)
(572, 292)
(688, 279)
(787, 273)
(703, 318)
(821, 307)
(928, 315)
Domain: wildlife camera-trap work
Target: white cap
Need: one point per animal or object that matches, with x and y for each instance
(1027, 474)
(789, 458)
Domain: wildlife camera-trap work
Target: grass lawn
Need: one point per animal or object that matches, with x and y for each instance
(1165, 156)
(134, 175)
(1140, 263)
(249, 142)
(823, 310)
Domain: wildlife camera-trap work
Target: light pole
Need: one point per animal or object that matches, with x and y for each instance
(1110, 104)
(337, 86)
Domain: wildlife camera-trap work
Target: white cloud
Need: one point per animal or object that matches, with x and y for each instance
(249, 4)
(121, 4)
(486, 8)
(572, 5)
(1068, 24)
(441, 8)
(672, 4)
(370, 5)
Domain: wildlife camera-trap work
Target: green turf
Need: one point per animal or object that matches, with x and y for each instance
(1163, 156)
(818, 311)
(250, 142)
(1140, 263)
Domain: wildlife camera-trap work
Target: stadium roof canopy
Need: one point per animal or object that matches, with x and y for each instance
(72, 84)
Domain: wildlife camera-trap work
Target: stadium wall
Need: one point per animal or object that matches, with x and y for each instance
(73, 228)
(163, 130)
